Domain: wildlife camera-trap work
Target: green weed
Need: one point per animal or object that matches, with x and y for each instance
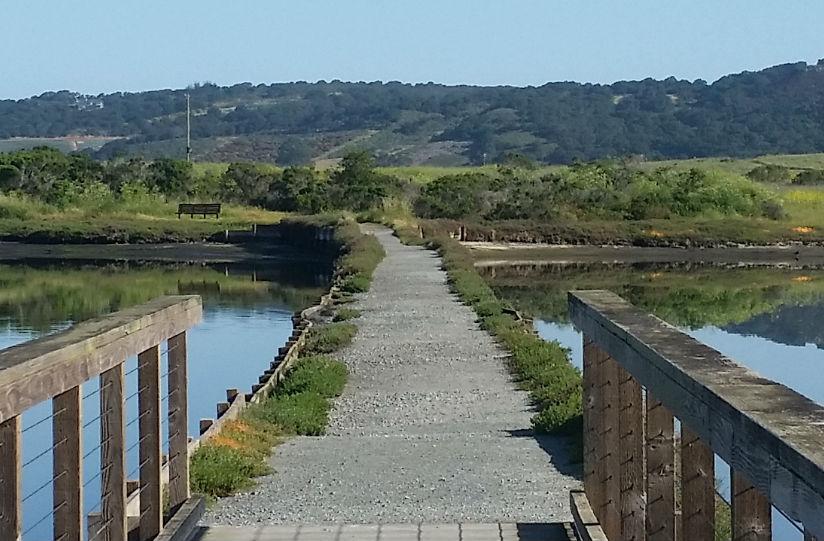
(345, 314)
(329, 338)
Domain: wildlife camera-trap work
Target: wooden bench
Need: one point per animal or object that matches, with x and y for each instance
(206, 209)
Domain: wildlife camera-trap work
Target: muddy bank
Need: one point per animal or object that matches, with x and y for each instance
(207, 252)
(491, 254)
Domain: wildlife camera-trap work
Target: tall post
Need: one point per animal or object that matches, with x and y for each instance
(631, 444)
(112, 455)
(589, 418)
(178, 422)
(751, 511)
(68, 465)
(697, 488)
(660, 437)
(148, 397)
(188, 128)
(10, 479)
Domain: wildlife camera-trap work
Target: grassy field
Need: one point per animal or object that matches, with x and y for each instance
(66, 144)
(741, 166)
(149, 221)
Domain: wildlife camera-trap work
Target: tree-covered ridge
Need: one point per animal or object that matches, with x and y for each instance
(776, 110)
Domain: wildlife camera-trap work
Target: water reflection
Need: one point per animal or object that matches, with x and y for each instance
(247, 317)
(765, 318)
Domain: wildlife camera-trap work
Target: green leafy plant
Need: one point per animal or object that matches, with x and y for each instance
(345, 314)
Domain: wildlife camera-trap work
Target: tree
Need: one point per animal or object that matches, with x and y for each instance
(454, 196)
(10, 178)
(298, 189)
(356, 185)
(251, 181)
(809, 177)
(170, 177)
(770, 173)
(294, 151)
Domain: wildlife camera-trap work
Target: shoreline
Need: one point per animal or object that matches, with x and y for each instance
(206, 252)
(489, 254)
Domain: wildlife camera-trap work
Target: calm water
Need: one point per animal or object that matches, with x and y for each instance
(247, 317)
(766, 318)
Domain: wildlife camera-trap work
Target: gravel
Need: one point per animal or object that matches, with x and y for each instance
(430, 427)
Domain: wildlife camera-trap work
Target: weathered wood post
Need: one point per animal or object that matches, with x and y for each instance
(178, 421)
(67, 466)
(697, 488)
(751, 511)
(603, 402)
(660, 441)
(590, 421)
(150, 447)
(631, 456)
(112, 455)
(10, 480)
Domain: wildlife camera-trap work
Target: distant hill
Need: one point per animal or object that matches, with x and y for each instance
(776, 110)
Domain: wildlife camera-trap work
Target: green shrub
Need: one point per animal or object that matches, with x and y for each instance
(809, 177)
(320, 375)
(772, 173)
(300, 405)
(217, 470)
(229, 461)
(345, 314)
(355, 283)
(592, 191)
(329, 338)
(304, 414)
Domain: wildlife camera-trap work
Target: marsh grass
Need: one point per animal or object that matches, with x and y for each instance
(329, 338)
(140, 219)
(345, 314)
(300, 406)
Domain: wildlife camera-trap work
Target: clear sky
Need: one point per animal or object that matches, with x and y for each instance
(98, 46)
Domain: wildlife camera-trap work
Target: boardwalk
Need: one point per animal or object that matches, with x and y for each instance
(430, 431)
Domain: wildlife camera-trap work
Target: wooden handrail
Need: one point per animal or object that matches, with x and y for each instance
(43, 368)
(54, 368)
(771, 436)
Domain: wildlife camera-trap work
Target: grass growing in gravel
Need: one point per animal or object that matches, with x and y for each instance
(300, 406)
(543, 368)
(345, 314)
(231, 460)
(329, 338)
(361, 255)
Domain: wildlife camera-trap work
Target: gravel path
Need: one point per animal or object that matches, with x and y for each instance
(430, 427)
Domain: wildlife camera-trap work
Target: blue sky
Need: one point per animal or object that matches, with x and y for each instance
(103, 46)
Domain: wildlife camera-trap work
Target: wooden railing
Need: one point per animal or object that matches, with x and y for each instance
(54, 368)
(644, 482)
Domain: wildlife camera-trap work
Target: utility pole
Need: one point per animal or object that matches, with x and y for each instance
(188, 128)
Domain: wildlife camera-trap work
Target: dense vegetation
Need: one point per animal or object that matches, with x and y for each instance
(771, 111)
(604, 191)
(48, 196)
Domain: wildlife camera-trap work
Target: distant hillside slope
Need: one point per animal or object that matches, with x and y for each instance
(776, 110)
